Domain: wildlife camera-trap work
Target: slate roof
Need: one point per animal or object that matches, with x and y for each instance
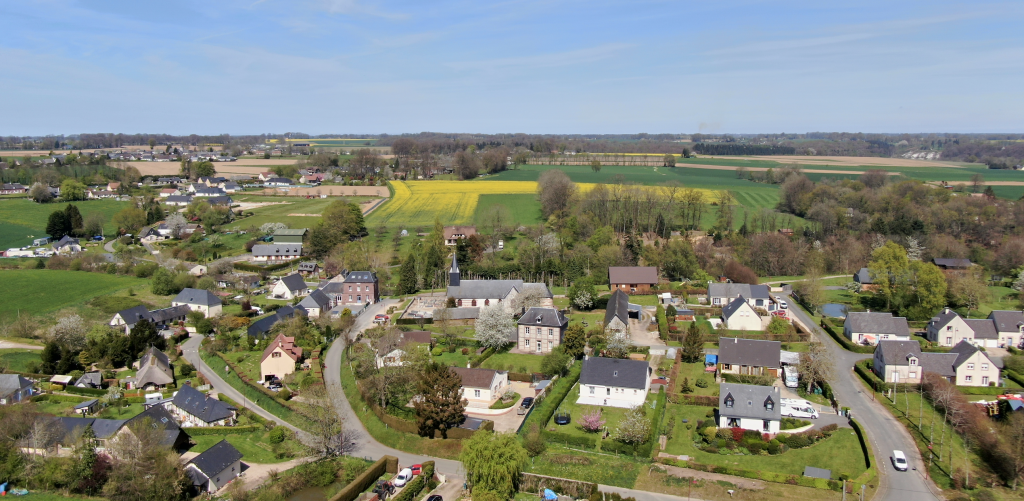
(952, 263)
(863, 276)
(207, 409)
(939, 363)
(873, 322)
(939, 321)
(220, 200)
(200, 297)
(315, 299)
(983, 328)
(749, 401)
(475, 378)
(132, 315)
(308, 266)
(291, 232)
(178, 199)
(287, 344)
(632, 275)
(732, 290)
(733, 306)
(543, 317)
(615, 372)
(463, 313)
(361, 277)
(287, 250)
(964, 351)
(751, 352)
(896, 352)
(90, 380)
(279, 180)
(160, 417)
(165, 314)
(87, 404)
(213, 461)
(492, 289)
(9, 383)
(73, 427)
(294, 282)
(1007, 321)
(65, 241)
(618, 307)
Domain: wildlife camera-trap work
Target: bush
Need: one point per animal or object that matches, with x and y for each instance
(277, 435)
(701, 383)
(773, 447)
(797, 441)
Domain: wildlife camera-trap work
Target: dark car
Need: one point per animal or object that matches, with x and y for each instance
(435, 497)
(527, 402)
(562, 418)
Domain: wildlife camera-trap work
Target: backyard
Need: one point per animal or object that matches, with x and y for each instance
(611, 415)
(255, 447)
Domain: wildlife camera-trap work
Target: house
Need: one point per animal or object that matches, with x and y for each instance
(485, 292)
(950, 264)
(166, 192)
(311, 178)
(871, 327)
(265, 176)
(163, 318)
(279, 181)
(309, 268)
(230, 187)
(316, 303)
(904, 362)
(276, 252)
(155, 370)
(614, 382)
(722, 294)
(215, 467)
(178, 200)
(633, 279)
(265, 324)
(192, 408)
(863, 277)
(392, 354)
(14, 388)
(198, 270)
(739, 315)
(290, 287)
(92, 380)
(220, 200)
(541, 330)
(749, 357)
(481, 386)
(973, 367)
(199, 300)
(1009, 327)
(359, 288)
(113, 186)
(279, 358)
(750, 407)
(150, 234)
(12, 189)
(616, 315)
(67, 245)
(290, 236)
(948, 329)
(452, 234)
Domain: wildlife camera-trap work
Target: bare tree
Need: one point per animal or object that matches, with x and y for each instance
(1012, 447)
(326, 431)
(556, 192)
(817, 365)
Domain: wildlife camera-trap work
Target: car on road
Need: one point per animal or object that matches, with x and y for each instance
(899, 460)
(403, 477)
(380, 318)
(435, 497)
(527, 402)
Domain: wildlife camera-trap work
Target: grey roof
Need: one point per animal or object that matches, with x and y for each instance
(9, 383)
(200, 297)
(154, 367)
(178, 199)
(361, 277)
(220, 200)
(544, 317)
(164, 314)
(939, 321)
(749, 401)
(983, 328)
(291, 232)
(160, 417)
(294, 282)
(331, 287)
(632, 275)
(106, 428)
(615, 372)
(464, 312)
(896, 352)
(751, 352)
(863, 276)
(942, 364)
(315, 299)
(308, 266)
(65, 241)
(210, 192)
(132, 315)
(874, 322)
(279, 180)
(216, 459)
(86, 404)
(618, 307)
(732, 290)
(952, 263)
(90, 380)
(810, 471)
(492, 289)
(290, 250)
(964, 350)
(1007, 321)
(207, 409)
(733, 306)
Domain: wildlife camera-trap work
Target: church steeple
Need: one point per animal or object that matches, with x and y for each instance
(453, 273)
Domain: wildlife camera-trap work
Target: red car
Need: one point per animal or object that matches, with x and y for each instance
(416, 469)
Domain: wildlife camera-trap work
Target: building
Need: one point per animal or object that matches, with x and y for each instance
(904, 362)
(155, 370)
(14, 388)
(393, 353)
(750, 407)
(1009, 326)
(973, 367)
(309, 268)
(262, 326)
(541, 330)
(279, 358)
(178, 200)
(486, 292)
(67, 245)
(950, 264)
(616, 314)
(163, 318)
(276, 252)
(482, 386)
(92, 380)
(633, 279)
(452, 234)
(317, 303)
(290, 236)
(722, 294)
(739, 315)
(863, 278)
(359, 288)
(290, 287)
(614, 382)
(191, 408)
(948, 329)
(749, 357)
(870, 327)
(279, 181)
(199, 300)
(215, 467)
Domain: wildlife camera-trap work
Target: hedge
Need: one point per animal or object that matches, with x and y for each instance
(222, 430)
(662, 322)
(483, 356)
(242, 265)
(983, 390)
(414, 488)
(93, 392)
(704, 400)
(413, 321)
(58, 398)
(863, 439)
(568, 440)
(646, 449)
(767, 476)
(365, 479)
(546, 408)
(841, 339)
(616, 447)
(1013, 376)
(864, 370)
(519, 376)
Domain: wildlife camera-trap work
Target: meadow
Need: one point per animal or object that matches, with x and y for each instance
(22, 220)
(44, 291)
(283, 209)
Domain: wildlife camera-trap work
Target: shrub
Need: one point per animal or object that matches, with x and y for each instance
(754, 446)
(277, 435)
(701, 383)
(284, 394)
(465, 351)
(798, 441)
(773, 448)
(737, 433)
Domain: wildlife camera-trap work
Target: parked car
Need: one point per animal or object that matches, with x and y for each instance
(527, 402)
(417, 469)
(792, 407)
(403, 477)
(790, 376)
(899, 460)
(435, 497)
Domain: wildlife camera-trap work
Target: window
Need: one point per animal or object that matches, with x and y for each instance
(276, 354)
(549, 345)
(717, 300)
(968, 378)
(350, 297)
(913, 361)
(538, 345)
(527, 343)
(767, 425)
(474, 302)
(734, 423)
(476, 393)
(350, 288)
(551, 333)
(726, 367)
(460, 302)
(359, 298)
(591, 390)
(984, 380)
(970, 367)
(527, 331)
(984, 367)
(729, 401)
(912, 375)
(769, 405)
(608, 391)
(949, 328)
(949, 340)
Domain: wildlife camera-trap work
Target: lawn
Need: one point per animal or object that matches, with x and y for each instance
(456, 359)
(44, 291)
(520, 362)
(254, 446)
(619, 471)
(611, 415)
(22, 220)
(17, 359)
(248, 362)
(280, 213)
(523, 208)
(693, 372)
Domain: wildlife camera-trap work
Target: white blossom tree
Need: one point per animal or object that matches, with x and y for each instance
(271, 228)
(583, 300)
(177, 223)
(914, 249)
(495, 327)
(1018, 284)
(634, 428)
(618, 344)
(69, 331)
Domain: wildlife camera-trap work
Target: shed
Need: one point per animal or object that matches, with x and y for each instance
(87, 407)
(61, 380)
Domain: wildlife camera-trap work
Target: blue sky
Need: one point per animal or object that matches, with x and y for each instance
(360, 66)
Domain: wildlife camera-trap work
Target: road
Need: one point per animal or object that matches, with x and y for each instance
(884, 431)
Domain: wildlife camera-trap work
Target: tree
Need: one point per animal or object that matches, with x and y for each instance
(130, 219)
(780, 329)
(575, 341)
(811, 290)
(582, 294)
(49, 358)
(68, 332)
(162, 283)
(816, 365)
(534, 442)
(495, 327)
(341, 222)
(93, 224)
(71, 190)
(203, 169)
(889, 267)
(595, 165)
(555, 362)
(40, 193)
(326, 431)
(618, 344)
(929, 286)
(177, 223)
(493, 462)
(670, 160)
(74, 218)
(87, 478)
(57, 226)
(144, 335)
(440, 404)
(1012, 447)
(634, 428)
(693, 344)
(968, 289)
(144, 469)
(556, 192)
(977, 181)
(407, 281)
(592, 421)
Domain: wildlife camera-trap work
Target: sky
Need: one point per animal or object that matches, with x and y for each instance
(552, 66)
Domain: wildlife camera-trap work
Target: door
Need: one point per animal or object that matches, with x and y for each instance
(895, 377)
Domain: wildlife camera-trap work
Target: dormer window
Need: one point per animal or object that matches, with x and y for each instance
(913, 361)
(729, 401)
(769, 404)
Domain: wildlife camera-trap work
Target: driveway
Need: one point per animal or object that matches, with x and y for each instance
(4, 345)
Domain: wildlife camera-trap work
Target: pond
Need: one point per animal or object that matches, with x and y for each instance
(835, 310)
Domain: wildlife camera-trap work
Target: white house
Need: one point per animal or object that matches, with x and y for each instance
(276, 252)
(739, 315)
(722, 294)
(199, 300)
(290, 287)
(481, 387)
(948, 329)
(192, 408)
(870, 327)
(750, 407)
(614, 382)
(67, 245)
(393, 354)
(316, 303)
(1009, 326)
(904, 362)
(215, 467)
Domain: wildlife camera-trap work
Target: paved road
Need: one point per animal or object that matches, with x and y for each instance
(884, 431)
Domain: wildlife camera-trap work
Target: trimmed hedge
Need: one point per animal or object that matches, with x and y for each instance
(983, 390)
(365, 480)
(662, 322)
(58, 398)
(242, 265)
(841, 339)
(483, 356)
(863, 439)
(93, 392)
(1013, 376)
(222, 430)
(519, 376)
(414, 488)
(547, 407)
(413, 321)
(704, 400)
(570, 440)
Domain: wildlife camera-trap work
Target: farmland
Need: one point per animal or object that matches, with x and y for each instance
(284, 210)
(44, 291)
(21, 220)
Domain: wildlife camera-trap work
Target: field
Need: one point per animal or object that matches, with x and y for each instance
(44, 291)
(248, 166)
(22, 220)
(283, 210)
(524, 209)
(17, 359)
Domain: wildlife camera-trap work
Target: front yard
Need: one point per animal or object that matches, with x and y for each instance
(611, 415)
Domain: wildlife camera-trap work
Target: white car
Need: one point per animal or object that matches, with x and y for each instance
(403, 477)
(899, 460)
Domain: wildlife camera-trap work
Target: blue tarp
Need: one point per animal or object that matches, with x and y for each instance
(710, 359)
(550, 494)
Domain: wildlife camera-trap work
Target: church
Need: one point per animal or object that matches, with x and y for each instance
(470, 293)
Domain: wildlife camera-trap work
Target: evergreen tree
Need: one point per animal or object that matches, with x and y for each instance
(575, 340)
(49, 358)
(143, 335)
(58, 225)
(693, 344)
(407, 276)
(85, 459)
(74, 218)
(440, 405)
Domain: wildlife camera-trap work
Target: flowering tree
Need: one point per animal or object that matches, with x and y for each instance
(583, 300)
(634, 428)
(592, 421)
(618, 344)
(69, 331)
(495, 327)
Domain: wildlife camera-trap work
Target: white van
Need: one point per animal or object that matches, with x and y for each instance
(790, 376)
(899, 460)
(792, 407)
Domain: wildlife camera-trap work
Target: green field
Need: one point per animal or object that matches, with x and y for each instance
(523, 208)
(22, 220)
(288, 205)
(17, 359)
(43, 291)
